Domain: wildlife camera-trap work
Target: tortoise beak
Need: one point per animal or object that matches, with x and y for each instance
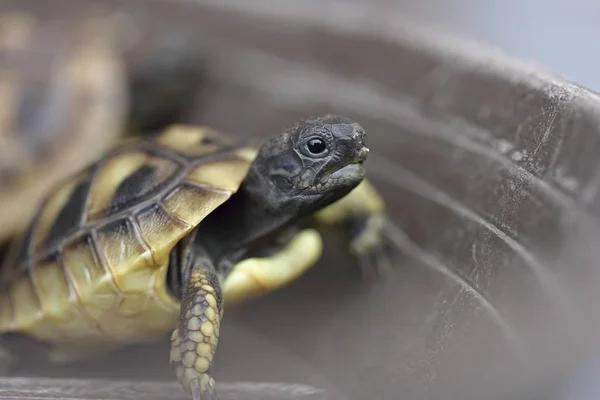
(362, 155)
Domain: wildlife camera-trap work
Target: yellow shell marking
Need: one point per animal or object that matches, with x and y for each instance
(54, 204)
(190, 205)
(187, 139)
(247, 153)
(114, 172)
(190, 139)
(52, 285)
(218, 174)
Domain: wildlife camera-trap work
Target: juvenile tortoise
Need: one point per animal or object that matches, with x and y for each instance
(162, 231)
(70, 89)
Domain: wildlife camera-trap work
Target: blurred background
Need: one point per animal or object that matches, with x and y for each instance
(556, 34)
(485, 133)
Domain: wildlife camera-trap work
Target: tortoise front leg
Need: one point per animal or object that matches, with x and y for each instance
(194, 341)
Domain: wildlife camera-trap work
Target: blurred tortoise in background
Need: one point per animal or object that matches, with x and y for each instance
(163, 231)
(68, 93)
(62, 104)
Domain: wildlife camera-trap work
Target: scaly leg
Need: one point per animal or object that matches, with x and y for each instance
(194, 341)
(362, 215)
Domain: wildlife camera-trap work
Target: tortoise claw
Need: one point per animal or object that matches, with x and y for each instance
(374, 249)
(195, 389)
(368, 267)
(385, 256)
(197, 394)
(377, 263)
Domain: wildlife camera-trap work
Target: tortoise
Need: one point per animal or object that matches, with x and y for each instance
(69, 91)
(161, 232)
(62, 103)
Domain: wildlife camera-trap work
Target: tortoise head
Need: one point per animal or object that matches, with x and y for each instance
(310, 165)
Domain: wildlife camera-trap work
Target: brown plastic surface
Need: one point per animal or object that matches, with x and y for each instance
(491, 169)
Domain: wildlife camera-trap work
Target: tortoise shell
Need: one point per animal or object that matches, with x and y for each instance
(62, 103)
(93, 263)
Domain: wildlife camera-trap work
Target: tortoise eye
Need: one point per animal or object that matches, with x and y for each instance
(316, 146)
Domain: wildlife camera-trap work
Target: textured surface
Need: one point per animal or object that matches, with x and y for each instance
(492, 166)
(123, 390)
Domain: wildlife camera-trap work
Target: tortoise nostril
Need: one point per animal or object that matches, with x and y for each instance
(359, 136)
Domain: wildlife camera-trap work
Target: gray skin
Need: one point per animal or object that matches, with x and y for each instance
(306, 168)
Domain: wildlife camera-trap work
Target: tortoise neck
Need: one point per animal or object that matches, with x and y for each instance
(239, 224)
(245, 219)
